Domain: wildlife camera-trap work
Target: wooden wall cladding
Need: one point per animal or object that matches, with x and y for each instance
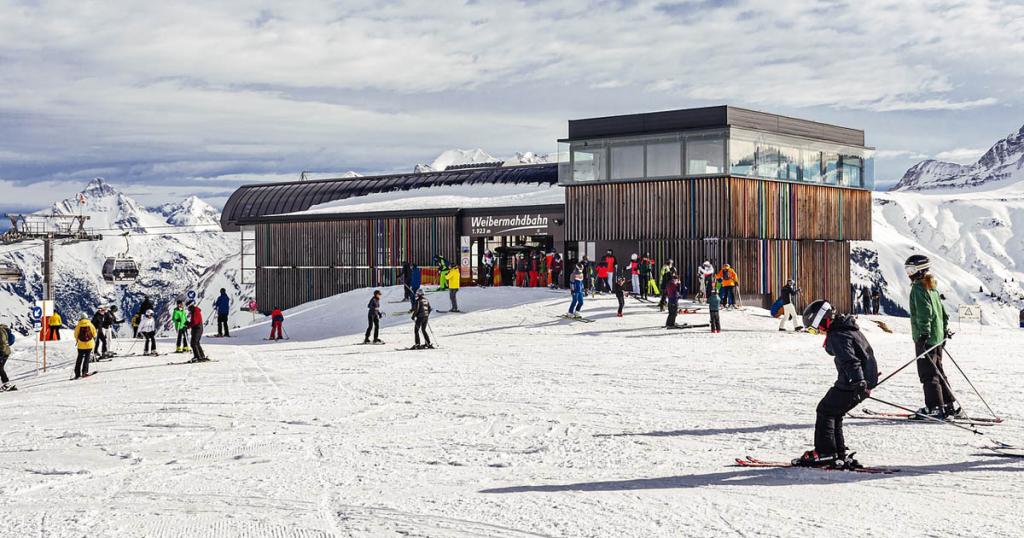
(821, 268)
(298, 262)
(716, 207)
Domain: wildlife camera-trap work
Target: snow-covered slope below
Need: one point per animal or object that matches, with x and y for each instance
(974, 239)
(179, 248)
(520, 424)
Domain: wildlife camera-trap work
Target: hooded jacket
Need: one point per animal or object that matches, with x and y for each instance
(179, 318)
(728, 277)
(854, 358)
(454, 278)
(90, 343)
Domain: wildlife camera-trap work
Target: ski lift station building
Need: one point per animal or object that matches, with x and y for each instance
(776, 197)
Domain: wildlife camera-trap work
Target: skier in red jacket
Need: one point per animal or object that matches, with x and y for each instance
(195, 325)
(276, 324)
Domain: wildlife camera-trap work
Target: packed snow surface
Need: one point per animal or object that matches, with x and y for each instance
(520, 424)
(446, 197)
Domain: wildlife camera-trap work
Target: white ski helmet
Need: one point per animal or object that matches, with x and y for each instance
(916, 264)
(149, 313)
(817, 313)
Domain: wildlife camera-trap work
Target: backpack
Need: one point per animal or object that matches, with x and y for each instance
(85, 334)
(6, 339)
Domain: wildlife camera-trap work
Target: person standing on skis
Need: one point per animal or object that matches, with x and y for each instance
(611, 263)
(714, 306)
(373, 316)
(672, 295)
(576, 289)
(99, 319)
(857, 376)
(667, 272)
(647, 284)
(147, 328)
(454, 281)
(85, 334)
(729, 282)
(276, 324)
(223, 306)
(6, 339)
(707, 277)
(788, 298)
(930, 330)
(421, 316)
(620, 293)
(195, 326)
(180, 320)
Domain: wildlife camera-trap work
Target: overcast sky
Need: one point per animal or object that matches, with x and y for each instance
(166, 99)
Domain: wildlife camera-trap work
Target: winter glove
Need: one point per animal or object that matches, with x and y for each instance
(949, 334)
(862, 389)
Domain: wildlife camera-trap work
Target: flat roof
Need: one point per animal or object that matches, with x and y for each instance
(710, 117)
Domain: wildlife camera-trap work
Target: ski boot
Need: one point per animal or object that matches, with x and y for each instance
(925, 412)
(428, 346)
(953, 411)
(618, 314)
(7, 387)
(417, 346)
(798, 329)
(782, 330)
(378, 342)
(813, 459)
(366, 341)
(847, 461)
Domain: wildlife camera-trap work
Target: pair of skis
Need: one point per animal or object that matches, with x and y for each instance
(754, 462)
(972, 421)
(580, 319)
(688, 326)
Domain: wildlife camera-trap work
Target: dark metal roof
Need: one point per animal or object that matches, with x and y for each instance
(710, 117)
(251, 203)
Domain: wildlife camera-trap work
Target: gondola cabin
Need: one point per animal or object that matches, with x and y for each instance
(120, 270)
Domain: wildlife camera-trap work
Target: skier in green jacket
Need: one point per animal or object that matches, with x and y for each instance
(929, 328)
(180, 319)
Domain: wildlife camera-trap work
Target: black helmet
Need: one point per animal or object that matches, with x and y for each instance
(817, 313)
(916, 264)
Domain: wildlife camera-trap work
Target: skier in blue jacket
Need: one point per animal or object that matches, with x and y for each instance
(223, 306)
(577, 293)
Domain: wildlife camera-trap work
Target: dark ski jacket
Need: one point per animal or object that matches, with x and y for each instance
(672, 292)
(617, 289)
(144, 307)
(788, 294)
(522, 266)
(646, 268)
(422, 308)
(854, 358)
(99, 320)
(373, 308)
(223, 304)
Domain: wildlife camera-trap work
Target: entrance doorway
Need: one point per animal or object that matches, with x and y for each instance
(507, 251)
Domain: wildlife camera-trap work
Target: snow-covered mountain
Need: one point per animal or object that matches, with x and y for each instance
(453, 157)
(1001, 165)
(179, 247)
(968, 219)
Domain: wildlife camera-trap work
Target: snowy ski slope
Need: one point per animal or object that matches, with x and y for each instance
(521, 424)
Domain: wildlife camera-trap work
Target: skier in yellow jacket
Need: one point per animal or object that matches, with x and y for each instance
(453, 278)
(85, 340)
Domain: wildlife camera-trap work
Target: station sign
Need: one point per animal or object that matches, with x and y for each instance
(527, 223)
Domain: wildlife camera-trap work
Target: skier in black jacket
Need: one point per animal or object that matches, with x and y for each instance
(858, 374)
(373, 316)
(99, 322)
(788, 298)
(620, 293)
(421, 315)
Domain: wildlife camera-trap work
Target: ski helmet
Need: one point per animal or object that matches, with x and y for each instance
(633, 257)
(149, 313)
(916, 264)
(419, 293)
(817, 313)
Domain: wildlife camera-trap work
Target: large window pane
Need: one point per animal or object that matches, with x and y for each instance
(741, 157)
(789, 164)
(627, 162)
(812, 166)
(664, 159)
(705, 156)
(767, 160)
(830, 163)
(588, 164)
(850, 167)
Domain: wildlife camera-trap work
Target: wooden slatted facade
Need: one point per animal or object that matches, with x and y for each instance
(768, 231)
(298, 262)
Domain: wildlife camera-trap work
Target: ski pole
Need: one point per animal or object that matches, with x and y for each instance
(948, 354)
(911, 361)
(940, 421)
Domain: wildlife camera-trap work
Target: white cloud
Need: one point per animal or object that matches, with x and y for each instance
(961, 155)
(899, 154)
(195, 89)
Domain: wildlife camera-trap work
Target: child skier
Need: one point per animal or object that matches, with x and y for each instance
(421, 315)
(620, 294)
(858, 374)
(672, 294)
(373, 316)
(714, 305)
(147, 328)
(276, 324)
(577, 293)
(180, 320)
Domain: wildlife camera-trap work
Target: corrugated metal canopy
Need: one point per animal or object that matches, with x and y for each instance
(250, 202)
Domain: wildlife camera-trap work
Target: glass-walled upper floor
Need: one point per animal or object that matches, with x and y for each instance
(733, 152)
